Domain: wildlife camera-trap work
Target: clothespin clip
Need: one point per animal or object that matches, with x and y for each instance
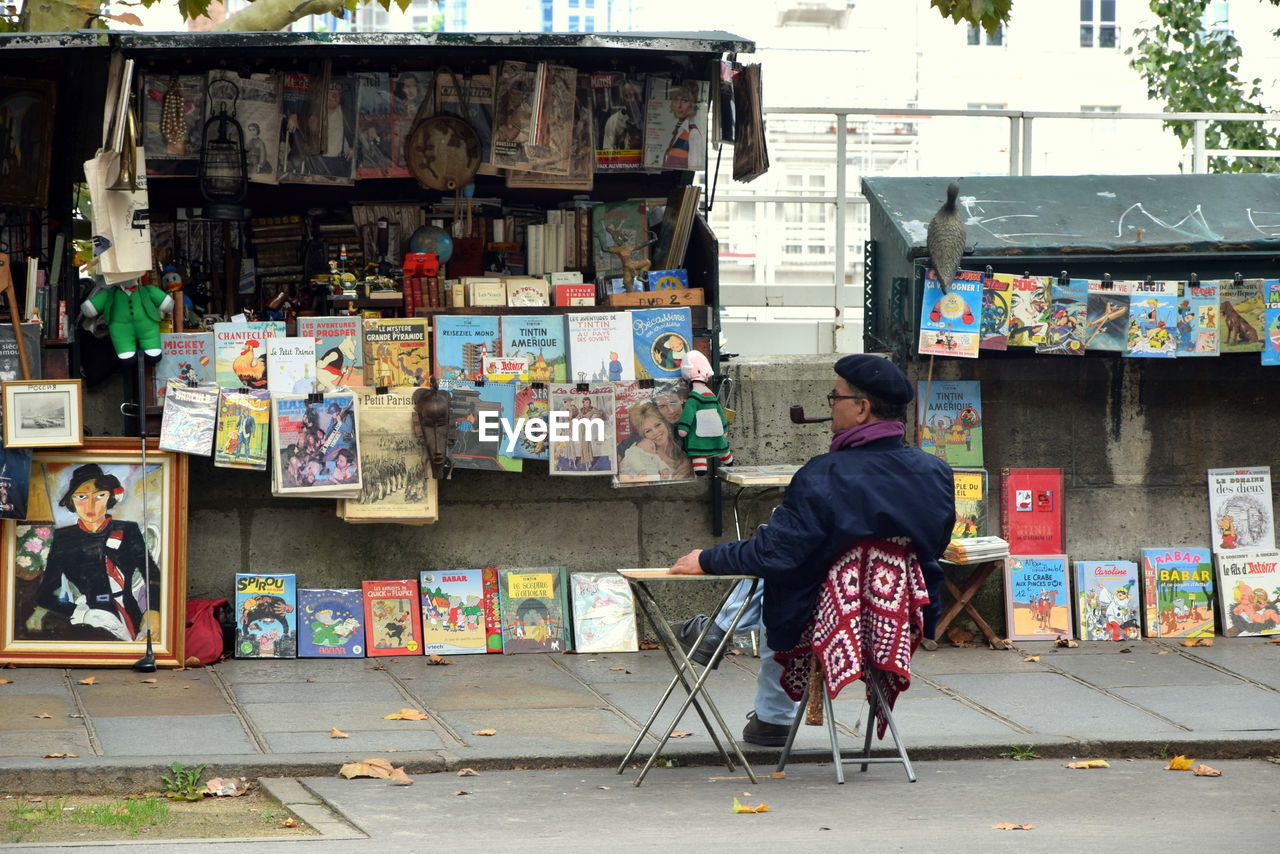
(537, 386)
(989, 272)
(381, 389)
(584, 387)
(244, 389)
(1194, 280)
(647, 382)
(1063, 278)
(315, 397)
(479, 383)
(1149, 279)
(1238, 278)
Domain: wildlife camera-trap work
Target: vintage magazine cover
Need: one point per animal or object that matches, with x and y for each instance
(339, 349)
(675, 133)
(1107, 600)
(392, 617)
(550, 148)
(534, 607)
(618, 115)
(1240, 315)
(1153, 320)
(453, 609)
(512, 115)
(1249, 587)
(330, 624)
(1177, 592)
(172, 123)
(461, 343)
(601, 347)
(291, 365)
(533, 404)
(1106, 315)
(190, 418)
(318, 130)
(471, 405)
(266, 616)
(1271, 324)
(373, 125)
(661, 337)
(996, 298)
(582, 156)
(408, 90)
(649, 448)
(604, 613)
(1241, 510)
(240, 357)
(258, 111)
(1198, 320)
(15, 482)
(478, 112)
(396, 352)
(590, 437)
(394, 484)
(1028, 311)
(314, 447)
(971, 503)
(186, 357)
(949, 424)
(540, 338)
(1064, 334)
(951, 323)
(1037, 597)
(244, 426)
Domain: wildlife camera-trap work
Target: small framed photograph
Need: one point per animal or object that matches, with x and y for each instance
(43, 414)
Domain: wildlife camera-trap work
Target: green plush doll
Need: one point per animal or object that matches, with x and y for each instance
(132, 314)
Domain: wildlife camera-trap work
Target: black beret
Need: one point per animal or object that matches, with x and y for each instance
(877, 376)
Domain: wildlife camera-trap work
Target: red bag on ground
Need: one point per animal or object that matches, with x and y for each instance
(204, 632)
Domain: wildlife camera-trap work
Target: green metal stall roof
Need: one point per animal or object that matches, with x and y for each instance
(1026, 216)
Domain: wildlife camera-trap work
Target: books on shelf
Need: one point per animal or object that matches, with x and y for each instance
(976, 549)
(240, 352)
(291, 365)
(661, 338)
(539, 338)
(396, 352)
(462, 342)
(601, 347)
(339, 350)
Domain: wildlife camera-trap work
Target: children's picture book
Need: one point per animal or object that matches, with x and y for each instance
(291, 365)
(540, 338)
(649, 448)
(591, 444)
(462, 342)
(373, 127)
(1033, 510)
(256, 107)
(996, 303)
(1107, 600)
(492, 615)
(601, 347)
(1028, 311)
(1241, 510)
(661, 337)
(1271, 324)
(478, 411)
(244, 426)
(266, 616)
(533, 404)
(951, 322)
(1106, 316)
(615, 226)
(396, 352)
(534, 606)
(186, 357)
(675, 133)
(330, 624)
(527, 291)
(1241, 313)
(1197, 315)
(949, 425)
(15, 482)
(190, 419)
(394, 486)
(339, 350)
(392, 617)
(971, 503)
(453, 610)
(604, 613)
(1177, 592)
(1153, 308)
(668, 280)
(240, 353)
(314, 446)
(1068, 305)
(1037, 597)
(1249, 587)
(618, 106)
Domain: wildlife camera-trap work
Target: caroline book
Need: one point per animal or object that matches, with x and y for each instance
(1107, 600)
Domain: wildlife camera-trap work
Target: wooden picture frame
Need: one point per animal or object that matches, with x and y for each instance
(26, 140)
(43, 414)
(45, 616)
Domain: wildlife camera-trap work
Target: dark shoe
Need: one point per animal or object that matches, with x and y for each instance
(687, 632)
(766, 735)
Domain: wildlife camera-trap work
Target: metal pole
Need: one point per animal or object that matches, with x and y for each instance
(843, 330)
(1027, 167)
(1199, 158)
(1015, 144)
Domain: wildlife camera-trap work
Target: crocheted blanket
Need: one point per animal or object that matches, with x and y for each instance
(869, 615)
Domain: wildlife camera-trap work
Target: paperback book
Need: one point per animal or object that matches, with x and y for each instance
(971, 503)
(462, 342)
(949, 424)
(1028, 311)
(1198, 320)
(330, 624)
(591, 448)
(266, 619)
(1271, 324)
(392, 617)
(601, 347)
(186, 357)
(1153, 308)
(996, 304)
(661, 338)
(396, 352)
(394, 485)
(1249, 587)
(291, 365)
(315, 451)
(1106, 316)
(1037, 597)
(1107, 600)
(1177, 592)
(540, 338)
(1032, 510)
(339, 350)
(240, 353)
(453, 612)
(1064, 333)
(1241, 314)
(190, 419)
(1241, 510)
(244, 426)
(477, 411)
(951, 322)
(534, 607)
(604, 613)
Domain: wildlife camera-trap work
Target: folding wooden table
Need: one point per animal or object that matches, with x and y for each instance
(978, 573)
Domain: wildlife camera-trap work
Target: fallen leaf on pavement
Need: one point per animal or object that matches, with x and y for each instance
(739, 807)
(1032, 658)
(485, 732)
(778, 775)
(6, 681)
(149, 681)
(617, 668)
(60, 756)
(1206, 771)
(392, 750)
(75, 716)
(337, 733)
(1090, 763)
(227, 787)
(43, 716)
(290, 821)
(648, 645)
(678, 734)
(959, 636)
(1001, 643)
(1198, 642)
(405, 715)
(91, 680)
(1162, 652)
(400, 778)
(375, 767)
(606, 788)
(191, 661)
(1068, 643)
(1275, 639)
(1004, 825)
(1179, 763)
(438, 659)
(468, 772)
(460, 792)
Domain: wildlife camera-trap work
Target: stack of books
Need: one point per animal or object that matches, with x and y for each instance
(976, 550)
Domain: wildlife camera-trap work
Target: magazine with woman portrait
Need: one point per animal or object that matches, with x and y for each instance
(100, 559)
(649, 449)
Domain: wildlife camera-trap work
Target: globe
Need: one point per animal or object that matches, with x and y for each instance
(432, 238)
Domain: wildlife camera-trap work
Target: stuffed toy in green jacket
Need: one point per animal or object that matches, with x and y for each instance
(132, 314)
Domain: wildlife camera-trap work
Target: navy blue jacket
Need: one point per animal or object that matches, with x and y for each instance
(881, 489)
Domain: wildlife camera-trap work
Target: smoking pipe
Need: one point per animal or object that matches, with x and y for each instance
(797, 416)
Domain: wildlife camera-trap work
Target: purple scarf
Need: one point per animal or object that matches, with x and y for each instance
(864, 433)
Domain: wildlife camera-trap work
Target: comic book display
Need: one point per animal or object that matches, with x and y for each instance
(330, 624)
(534, 607)
(314, 446)
(1177, 592)
(1240, 509)
(244, 426)
(604, 613)
(1107, 600)
(453, 611)
(949, 423)
(394, 486)
(1037, 597)
(266, 618)
(1249, 590)
(190, 419)
(392, 617)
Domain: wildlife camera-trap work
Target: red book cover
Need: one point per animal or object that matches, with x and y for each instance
(492, 619)
(584, 294)
(392, 617)
(1033, 511)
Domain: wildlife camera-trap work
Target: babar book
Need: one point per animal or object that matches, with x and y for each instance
(971, 503)
(1177, 592)
(482, 414)
(1033, 510)
(1068, 306)
(453, 610)
(1106, 315)
(1028, 311)
(396, 352)
(240, 353)
(1240, 509)
(266, 616)
(186, 357)
(1153, 321)
(951, 322)
(604, 613)
(392, 617)
(996, 299)
(535, 610)
(1249, 587)
(949, 425)
(539, 338)
(1197, 316)
(1107, 600)
(601, 347)
(462, 342)
(1241, 313)
(661, 337)
(244, 428)
(330, 624)
(339, 349)
(1037, 597)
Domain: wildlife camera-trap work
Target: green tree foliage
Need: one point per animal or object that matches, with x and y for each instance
(988, 14)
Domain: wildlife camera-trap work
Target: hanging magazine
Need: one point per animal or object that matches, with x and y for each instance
(589, 445)
(244, 419)
(190, 418)
(314, 448)
(675, 124)
(257, 109)
(478, 111)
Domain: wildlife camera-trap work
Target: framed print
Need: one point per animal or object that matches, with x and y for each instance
(26, 140)
(43, 414)
(100, 558)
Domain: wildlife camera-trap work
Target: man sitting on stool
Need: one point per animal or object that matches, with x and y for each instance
(870, 484)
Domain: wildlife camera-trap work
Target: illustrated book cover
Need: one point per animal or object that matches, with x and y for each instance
(951, 322)
(244, 426)
(1241, 313)
(1198, 319)
(339, 350)
(1249, 590)
(997, 300)
(1068, 306)
(675, 132)
(1153, 321)
(392, 617)
(601, 347)
(1177, 592)
(478, 411)
(330, 624)
(949, 425)
(1241, 512)
(1037, 597)
(534, 607)
(266, 616)
(540, 338)
(1033, 510)
(396, 352)
(604, 613)
(661, 337)
(318, 129)
(257, 109)
(453, 612)
(649, 448)
(1107, 600)
(190, 419)
(971, 503)
(618, 107)
(1271, 324)
(291, 365)
(533, 404)
(462, 342)
(1106, 316)
(240, 353)
(589, 442)
(184, 356)
(394, 485)
(1028, 311)
(314, 447)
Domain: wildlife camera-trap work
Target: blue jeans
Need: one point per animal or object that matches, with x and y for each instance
(772, 704)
